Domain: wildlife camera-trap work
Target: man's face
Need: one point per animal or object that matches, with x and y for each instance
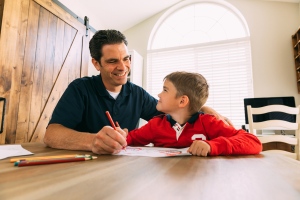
(114, 66)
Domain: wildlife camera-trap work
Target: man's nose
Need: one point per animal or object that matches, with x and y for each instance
(121, 65)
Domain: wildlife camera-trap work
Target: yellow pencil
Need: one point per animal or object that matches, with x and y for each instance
(46, 157)
(23, 163)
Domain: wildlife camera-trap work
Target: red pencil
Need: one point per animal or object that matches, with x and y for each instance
(110, 120)
(112, 123)
(52, 161)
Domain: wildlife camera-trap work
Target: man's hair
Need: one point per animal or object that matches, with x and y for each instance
(103, 37)
(193, 85)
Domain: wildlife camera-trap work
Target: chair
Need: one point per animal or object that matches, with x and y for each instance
(276, 125)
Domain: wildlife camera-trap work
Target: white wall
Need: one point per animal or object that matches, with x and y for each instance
(271, 26)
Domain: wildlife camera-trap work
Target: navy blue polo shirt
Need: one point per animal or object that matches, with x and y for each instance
(82, 106)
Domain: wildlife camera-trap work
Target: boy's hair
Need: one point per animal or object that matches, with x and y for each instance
(103, 37)
(193, 85)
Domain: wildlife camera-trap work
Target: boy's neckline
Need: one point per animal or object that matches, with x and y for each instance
(192, 120)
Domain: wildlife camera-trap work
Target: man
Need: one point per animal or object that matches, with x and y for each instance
(79, 121)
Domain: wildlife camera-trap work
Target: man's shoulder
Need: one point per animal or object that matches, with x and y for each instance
(85, 85)
(133, 86)
(136, 90)
(87, 82)
(84, 80)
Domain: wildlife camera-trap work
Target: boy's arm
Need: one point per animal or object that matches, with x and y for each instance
(141, 136)
(226, 140)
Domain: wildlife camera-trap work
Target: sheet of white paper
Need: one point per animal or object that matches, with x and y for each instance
(153, 152)
(12, 150)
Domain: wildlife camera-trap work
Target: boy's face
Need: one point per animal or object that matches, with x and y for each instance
(168, 103)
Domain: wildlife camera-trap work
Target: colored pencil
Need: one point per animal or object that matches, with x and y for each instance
(118, 125)
(112, 123)
(110, 120)
(46, 157)
(24, 163)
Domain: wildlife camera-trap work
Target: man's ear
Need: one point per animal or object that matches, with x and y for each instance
(96, 64)
(184, 100)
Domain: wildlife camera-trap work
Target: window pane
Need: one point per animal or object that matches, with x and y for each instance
(210, 39)
(198, 23)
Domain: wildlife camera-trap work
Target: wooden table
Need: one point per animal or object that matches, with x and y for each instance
(124, 177)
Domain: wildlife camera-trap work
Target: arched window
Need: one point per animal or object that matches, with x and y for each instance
(209, 38)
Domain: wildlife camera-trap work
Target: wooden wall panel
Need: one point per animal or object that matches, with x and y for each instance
(45, 53)
(27, 75)
(49, 61)
(1, 13)
(59, 87)
(39, 66)
(8, 42)
(58, 56)
(12, 136)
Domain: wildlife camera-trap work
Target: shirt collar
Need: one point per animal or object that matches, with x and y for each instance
(192, 120)
(125, 91)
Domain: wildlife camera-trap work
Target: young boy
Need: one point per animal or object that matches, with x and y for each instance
(184, 126)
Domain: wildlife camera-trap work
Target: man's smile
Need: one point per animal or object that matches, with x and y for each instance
(123, 74)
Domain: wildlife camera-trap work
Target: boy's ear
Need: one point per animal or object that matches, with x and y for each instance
(184, 100)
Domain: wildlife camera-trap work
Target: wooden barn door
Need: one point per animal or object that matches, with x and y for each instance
(42, 49)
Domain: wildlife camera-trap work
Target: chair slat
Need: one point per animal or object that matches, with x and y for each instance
(277, 138)
(275, 108)
(276, 125)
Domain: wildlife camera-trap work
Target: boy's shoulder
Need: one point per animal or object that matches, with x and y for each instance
(161, 116)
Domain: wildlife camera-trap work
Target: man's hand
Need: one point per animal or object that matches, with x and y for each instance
(199, 148)
(209, 110)
(109, 141)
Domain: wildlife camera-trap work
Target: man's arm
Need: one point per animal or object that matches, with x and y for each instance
(106, 141)
(209, 110)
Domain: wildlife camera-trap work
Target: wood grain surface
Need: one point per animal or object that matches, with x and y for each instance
(256, 177)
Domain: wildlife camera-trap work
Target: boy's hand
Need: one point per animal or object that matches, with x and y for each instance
(126, 131)
(199, 148)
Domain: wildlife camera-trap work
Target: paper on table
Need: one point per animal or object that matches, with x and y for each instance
(12, 150)
(153, 152)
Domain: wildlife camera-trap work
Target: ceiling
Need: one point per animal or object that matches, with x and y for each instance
(121, 14)
(117, 14)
